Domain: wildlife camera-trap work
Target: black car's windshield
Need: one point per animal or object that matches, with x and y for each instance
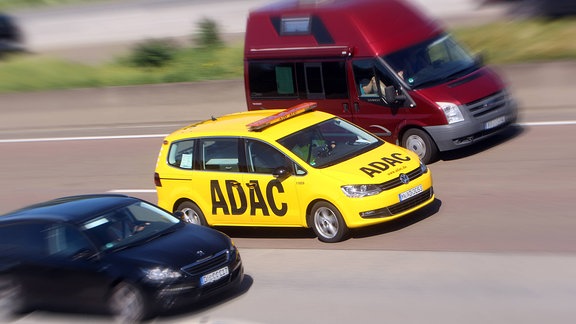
(432, 62)
(329, 142)
(128, 225)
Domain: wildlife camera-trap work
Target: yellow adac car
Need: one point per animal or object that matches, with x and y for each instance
(290, 168)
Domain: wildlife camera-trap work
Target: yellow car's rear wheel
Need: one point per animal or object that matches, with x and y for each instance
(192, 213)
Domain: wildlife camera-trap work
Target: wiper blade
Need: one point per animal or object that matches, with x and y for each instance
(160, 234)
(426, 83)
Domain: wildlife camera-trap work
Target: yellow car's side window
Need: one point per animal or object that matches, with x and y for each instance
(220, 154)
(263, 158)
(181, 154)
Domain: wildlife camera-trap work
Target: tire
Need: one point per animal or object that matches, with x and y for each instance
(12, 301)
(419, 142)
(192, 213)
(327, 223)
(126, 304)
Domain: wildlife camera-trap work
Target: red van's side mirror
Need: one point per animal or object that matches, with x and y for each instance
(391, 96)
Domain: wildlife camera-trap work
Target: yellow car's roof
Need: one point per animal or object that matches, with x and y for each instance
(237, 124)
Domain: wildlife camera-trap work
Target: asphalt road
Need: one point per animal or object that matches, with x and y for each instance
(498, 246)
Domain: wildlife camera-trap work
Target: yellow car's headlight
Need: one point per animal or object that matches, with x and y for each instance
(358, 191)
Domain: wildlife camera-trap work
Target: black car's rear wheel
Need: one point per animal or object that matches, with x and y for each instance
(127, 304)
(12, 300)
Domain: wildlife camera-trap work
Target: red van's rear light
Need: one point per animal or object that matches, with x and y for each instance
(157, 181)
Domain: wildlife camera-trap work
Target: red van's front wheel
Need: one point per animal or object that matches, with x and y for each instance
(421, 143)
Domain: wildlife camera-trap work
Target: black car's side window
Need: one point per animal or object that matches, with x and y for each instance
(23, 239)
(65, 241)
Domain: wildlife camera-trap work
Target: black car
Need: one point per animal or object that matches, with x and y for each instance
(11, 39)
(539, 8)
(111, 252)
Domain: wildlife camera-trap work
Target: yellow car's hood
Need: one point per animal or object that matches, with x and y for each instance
(384, 163)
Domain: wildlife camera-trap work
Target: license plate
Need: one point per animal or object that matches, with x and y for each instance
(214, 276)
(495, 122)
(410, 193)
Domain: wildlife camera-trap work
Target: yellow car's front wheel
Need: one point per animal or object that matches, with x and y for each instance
(327, 223)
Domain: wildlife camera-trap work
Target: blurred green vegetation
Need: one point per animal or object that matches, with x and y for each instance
(17, 4)
(156, 61)
(518, 41)
(32, 73)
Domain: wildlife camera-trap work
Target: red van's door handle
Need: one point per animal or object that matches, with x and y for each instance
(356, 107)
(345, 107)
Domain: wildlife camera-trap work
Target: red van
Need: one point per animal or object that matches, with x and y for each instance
(381, 64)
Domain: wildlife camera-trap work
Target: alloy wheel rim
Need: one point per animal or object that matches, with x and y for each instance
(127, 305)
(416, 145)
(191, 216)
(326, 222)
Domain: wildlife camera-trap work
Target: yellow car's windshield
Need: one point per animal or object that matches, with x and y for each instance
(329, 142)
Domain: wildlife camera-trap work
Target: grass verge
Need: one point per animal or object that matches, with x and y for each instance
(18, 4)
(522, 40)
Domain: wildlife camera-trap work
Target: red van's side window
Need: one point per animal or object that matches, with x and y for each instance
(370, 78)
(298, 80)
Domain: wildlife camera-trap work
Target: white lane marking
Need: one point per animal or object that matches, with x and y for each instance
(132, 191)
(55, 139)
(550, 123)
(80, 138)
(111, 137)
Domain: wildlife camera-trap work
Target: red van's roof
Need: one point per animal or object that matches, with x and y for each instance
(365, 27)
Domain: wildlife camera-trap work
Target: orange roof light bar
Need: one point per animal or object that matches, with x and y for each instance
(285, 114)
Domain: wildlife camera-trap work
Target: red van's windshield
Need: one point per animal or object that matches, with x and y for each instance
(432, 62)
